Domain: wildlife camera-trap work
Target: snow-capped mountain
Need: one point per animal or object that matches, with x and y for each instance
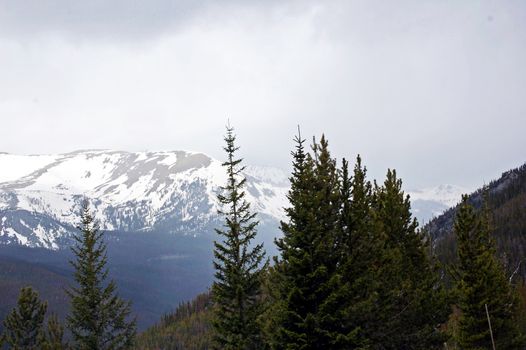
(41, 195)
(431, 202)
(173, 191)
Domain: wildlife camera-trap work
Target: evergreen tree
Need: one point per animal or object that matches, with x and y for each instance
(357, 217)
(99, 318)
(413, 300)
(304, 276)
(354, 271)
(24, 325)
(54, 335)
(354, 313)
(238, 263)
(480, 281)
(293, 270)
(286, 286)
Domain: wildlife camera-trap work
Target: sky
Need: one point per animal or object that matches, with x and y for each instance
(434, 89)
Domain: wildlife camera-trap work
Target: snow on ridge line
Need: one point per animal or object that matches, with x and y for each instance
(15, 166)
(131, 190)
(137, 190)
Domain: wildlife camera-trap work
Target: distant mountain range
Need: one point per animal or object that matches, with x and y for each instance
(158, 210)
(431, 202)
(172, 192)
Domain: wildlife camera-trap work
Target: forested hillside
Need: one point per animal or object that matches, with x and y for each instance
(351, 270)
(506, 203)
(49, 282)
(188, 327)
(506, 198)
(155, 270)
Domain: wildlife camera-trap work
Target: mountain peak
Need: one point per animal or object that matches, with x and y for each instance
(173, 191)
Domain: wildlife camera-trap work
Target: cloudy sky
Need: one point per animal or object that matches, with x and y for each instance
(435, 89)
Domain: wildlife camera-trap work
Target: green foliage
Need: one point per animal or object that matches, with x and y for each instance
(480, 281)
(355, 301)
(54, 335)
(188, 328)
(287, 284)
(412, 298)
(26, 270)
(505, 201)
(99, 319)
(237, 287)
(24, 325)
(354, 271)
(301, 280)
(506, 198)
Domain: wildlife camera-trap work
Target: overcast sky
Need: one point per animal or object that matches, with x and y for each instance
(435, 89)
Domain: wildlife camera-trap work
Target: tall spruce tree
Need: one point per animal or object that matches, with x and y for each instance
(481, 281)
(99, 318)
(355, 315)
(304, 275)
(24, 326)
(354, 272)
(238, 263)
(413, 301)
(288, 286)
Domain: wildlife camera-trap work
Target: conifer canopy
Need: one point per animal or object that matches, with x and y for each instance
(99, 318)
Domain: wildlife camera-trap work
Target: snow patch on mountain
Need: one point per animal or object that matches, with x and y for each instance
(168, 191)
(431, 202)
(449, 195)
(171, 191)
(17, 166)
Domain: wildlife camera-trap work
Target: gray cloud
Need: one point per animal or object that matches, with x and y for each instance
(434, 89)
(98, 18)
(115, 20)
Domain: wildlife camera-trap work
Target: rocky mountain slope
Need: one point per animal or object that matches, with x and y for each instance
(41, 195)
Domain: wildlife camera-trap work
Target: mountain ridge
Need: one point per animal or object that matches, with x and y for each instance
(128, 191)
(505, 199)
(169, 191)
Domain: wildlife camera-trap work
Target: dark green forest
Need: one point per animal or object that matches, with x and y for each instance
(393, 285)
(188, 327)
(353, 270)
(506, 200)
